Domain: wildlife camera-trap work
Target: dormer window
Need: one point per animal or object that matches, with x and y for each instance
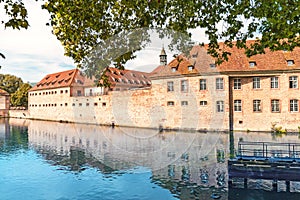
(252, 64)
(290, 62)
(174, 69)
(133, 75)
(212, 65)
(191, 67)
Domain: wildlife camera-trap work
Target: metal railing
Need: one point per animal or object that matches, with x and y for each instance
(268, 150)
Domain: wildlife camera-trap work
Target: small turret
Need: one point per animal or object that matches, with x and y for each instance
(163, 57)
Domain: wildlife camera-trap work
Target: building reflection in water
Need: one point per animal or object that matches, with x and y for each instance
(185, 158)
(190, 165)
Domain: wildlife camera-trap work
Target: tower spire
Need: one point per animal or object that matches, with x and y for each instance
(163, 56)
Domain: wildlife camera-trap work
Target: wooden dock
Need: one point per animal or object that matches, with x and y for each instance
(268, 161)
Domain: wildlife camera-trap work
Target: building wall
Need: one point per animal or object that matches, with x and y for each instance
(4, 105)
(139, 108)
(150, 108)
(193, 115)
(248, 119)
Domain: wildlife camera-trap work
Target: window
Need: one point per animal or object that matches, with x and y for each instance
(275, 107)
(238, 105)
(184, 103)
(80, 104)
(78, 92)
(256, 105)
(256, 83)
(290, 62)
(190, 68)
(293, 82)
(203, 103)
(87, 104)
(212, 65)
(252, 64)
(184, 86)
(103, 104)
(170, 103)
(202, 84)
(66, 104)
(170, 86)
(220, 106)
(294, 105)
(219, 84)
(66, 91)
(174, 69)
(73, 104)
(237, 84)
(274, 82)
(95, 104)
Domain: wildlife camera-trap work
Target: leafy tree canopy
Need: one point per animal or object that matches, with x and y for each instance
(16, 12)
(20, 97)
(82, 25)
(10, 83)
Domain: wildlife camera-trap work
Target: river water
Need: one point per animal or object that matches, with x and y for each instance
(49, 160)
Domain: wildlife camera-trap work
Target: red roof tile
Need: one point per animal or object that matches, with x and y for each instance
(237, 62)
(127, 78)
(59, 80)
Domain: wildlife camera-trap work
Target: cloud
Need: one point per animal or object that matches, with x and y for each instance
(35, 52)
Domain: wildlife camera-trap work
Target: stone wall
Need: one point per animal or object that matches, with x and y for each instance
(151, 108)
(248, 119)
(147, 108)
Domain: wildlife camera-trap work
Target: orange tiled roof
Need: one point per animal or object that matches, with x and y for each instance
(201, 62)
(58, 80)
(127, 78)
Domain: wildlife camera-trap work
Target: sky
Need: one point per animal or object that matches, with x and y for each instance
(33, 53)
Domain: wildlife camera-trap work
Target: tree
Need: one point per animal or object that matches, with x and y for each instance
(20, 97)
(10, 83)
(16, 13)
(82, 25)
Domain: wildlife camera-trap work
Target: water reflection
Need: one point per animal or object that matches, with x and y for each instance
(190, 165)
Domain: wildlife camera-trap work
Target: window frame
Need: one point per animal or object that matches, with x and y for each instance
(202, 84)
(294, 105)
(170, 86)
(256, 83)
(277, 106)
(219, 83)
(220, 106)
(237, 84)
(274, 83)
(203, 103)
(257, 105)
(237, 105)
(184, 86)
(293, 82)
(170, 103)
(184, 103)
